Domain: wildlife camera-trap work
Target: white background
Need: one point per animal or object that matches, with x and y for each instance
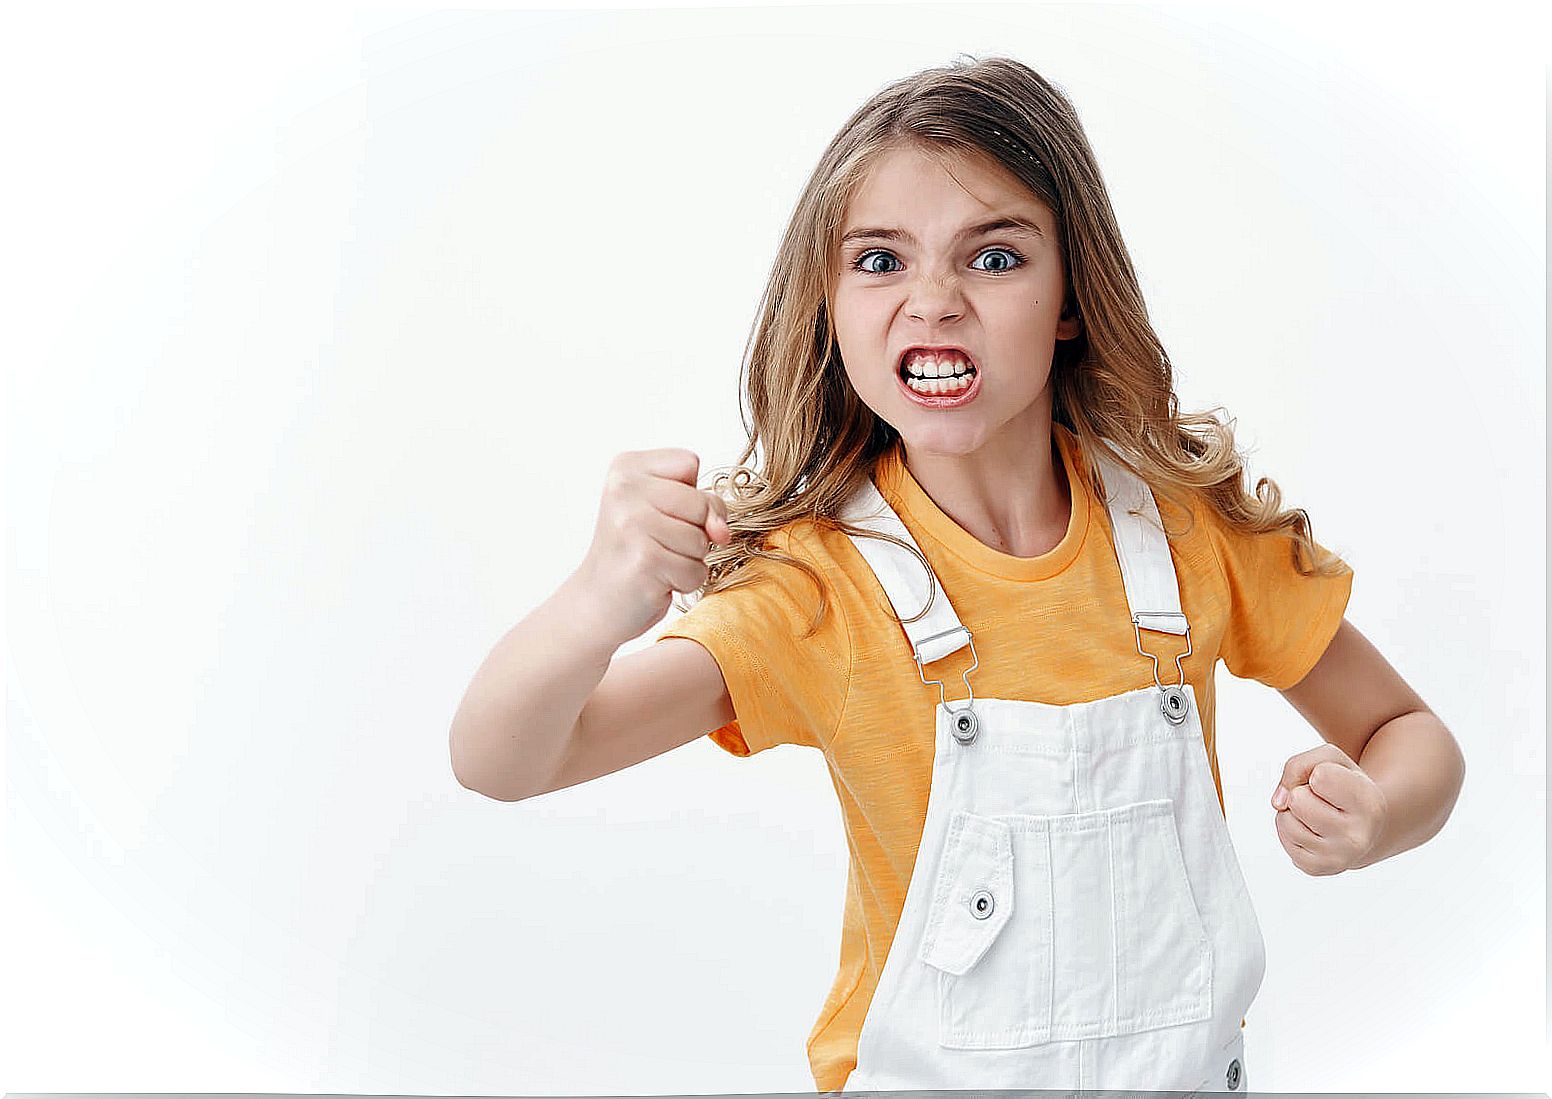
(324, 327)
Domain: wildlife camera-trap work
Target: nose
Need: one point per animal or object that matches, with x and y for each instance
(935, 300)
(919, 313)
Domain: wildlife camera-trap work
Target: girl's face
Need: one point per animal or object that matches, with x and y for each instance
(917, 267)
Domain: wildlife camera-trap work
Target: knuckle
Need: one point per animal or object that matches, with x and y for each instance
(686, 461)
(620, 521)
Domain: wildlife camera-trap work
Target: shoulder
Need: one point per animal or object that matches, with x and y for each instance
(1193, 526)
(807, 542)
(798, 541)
(781, 589)
(1192, 520)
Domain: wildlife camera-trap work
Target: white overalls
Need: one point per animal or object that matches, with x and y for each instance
(1076, 916)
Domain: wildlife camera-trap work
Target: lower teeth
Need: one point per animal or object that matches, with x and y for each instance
(953, 386)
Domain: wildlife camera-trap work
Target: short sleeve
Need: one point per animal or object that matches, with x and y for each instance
(785, 689)
(1280, 621)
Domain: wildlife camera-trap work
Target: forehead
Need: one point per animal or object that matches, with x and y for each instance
(907, 180)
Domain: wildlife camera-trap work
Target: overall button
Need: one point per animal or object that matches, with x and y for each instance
(982, 904)
(965, 726)
(1233, 1076)
(1173, 703)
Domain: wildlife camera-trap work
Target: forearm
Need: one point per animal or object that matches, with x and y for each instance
(514, 725)
(1417, 764)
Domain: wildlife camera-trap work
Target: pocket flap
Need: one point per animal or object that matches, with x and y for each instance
(975, 874)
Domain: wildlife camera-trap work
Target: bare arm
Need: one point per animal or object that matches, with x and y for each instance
(1357, 701)
(649, 702)
(551, 707)
(520, 711)
(535, 718)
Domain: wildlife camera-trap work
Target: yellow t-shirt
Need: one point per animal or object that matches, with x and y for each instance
(1054, 628)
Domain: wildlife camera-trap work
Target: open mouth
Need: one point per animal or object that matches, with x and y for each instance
(959, 382)
(935, 387)
(943, 392)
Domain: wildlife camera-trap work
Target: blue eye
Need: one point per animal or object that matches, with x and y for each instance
(1018, 260)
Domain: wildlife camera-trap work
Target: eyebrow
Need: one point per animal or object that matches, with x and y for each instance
(1007, 222)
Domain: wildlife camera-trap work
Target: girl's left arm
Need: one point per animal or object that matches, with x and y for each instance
(1388, 776)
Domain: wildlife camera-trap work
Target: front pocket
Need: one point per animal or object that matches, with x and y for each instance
(1164, 956)
(988, 935)
(1092, 930)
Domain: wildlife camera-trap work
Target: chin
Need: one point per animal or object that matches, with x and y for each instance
(942, 440)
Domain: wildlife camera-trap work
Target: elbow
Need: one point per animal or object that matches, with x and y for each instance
(1457, 761)
(494, 795)
(1455, 780)
(479, 786)
(473, 777)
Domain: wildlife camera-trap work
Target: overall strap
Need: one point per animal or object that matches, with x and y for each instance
(1152, 591)
(938, 632)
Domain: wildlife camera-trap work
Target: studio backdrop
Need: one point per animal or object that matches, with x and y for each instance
(327, 323)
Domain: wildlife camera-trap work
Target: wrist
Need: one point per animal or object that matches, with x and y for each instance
(584, 614)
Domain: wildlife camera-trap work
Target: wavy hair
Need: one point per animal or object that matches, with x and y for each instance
(1112, 383)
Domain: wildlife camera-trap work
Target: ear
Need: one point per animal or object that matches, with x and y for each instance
(1069, 325)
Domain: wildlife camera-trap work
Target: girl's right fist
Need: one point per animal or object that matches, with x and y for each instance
(654, 530)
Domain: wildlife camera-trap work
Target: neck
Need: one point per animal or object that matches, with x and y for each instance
(1011, 494)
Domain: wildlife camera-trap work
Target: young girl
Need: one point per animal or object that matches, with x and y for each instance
(987, 567)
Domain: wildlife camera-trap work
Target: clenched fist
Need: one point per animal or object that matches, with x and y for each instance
(1330, 813)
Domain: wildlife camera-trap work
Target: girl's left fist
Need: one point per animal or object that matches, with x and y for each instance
(1330, 814)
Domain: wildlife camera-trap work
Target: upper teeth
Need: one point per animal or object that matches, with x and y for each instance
(936, 365)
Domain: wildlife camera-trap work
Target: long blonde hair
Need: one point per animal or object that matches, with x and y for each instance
(1112, 382)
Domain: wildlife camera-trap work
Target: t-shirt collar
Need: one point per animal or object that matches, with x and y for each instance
(924, 518)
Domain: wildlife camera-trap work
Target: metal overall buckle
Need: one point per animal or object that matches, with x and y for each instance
(964, 724)
(1172, 699)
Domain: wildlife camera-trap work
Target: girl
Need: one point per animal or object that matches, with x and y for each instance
(987, 567)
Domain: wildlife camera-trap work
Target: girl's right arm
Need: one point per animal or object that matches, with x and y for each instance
(550, 707)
